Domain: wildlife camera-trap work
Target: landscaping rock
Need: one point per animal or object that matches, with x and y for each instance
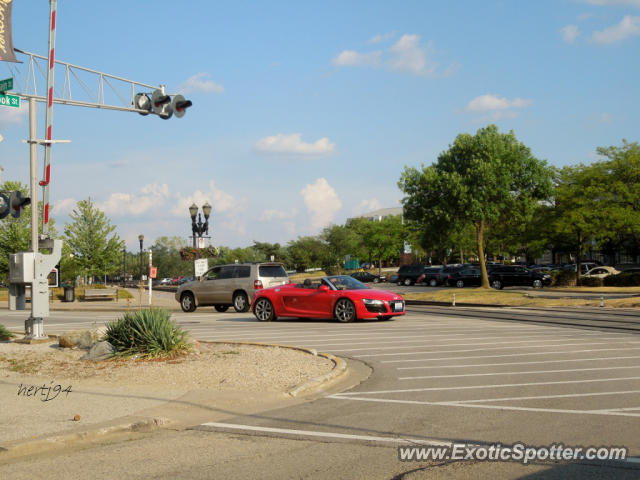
(78, 339)
(100, 351)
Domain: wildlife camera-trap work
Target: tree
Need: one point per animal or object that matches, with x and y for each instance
(478, 180)
(307, 252)
(90, 239)
(340, 240)
(166, 256)
(382, 240)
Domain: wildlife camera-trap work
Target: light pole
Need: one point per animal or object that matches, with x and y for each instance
(198, 228)
(124, 267)
(141, 240)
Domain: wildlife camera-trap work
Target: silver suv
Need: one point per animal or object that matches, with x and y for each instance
(226, 285)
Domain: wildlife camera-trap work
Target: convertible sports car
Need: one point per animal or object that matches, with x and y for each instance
(339, 296)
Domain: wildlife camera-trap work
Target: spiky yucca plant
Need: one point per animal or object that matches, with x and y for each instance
(5, 334)
(147, 333)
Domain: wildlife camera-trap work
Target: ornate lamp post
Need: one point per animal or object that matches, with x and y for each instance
(199, 228)
(141, 240)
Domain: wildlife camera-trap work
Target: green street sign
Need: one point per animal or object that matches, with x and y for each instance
(10, 100)
(6, 84)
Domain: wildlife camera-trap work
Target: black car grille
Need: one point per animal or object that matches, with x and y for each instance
(376, 308)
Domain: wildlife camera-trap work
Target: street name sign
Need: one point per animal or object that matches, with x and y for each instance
(10, 100)
(6, 84)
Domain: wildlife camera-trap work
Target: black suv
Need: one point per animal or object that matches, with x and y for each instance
(408, 274)
(515, 275)
(430, 275)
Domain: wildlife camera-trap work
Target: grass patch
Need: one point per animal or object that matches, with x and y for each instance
(147, 333)
(21, 366)
(297, 277)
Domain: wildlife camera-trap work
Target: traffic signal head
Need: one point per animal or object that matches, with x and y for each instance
(161, 104)
(142, 102)
(17, 203)
(180, 105)
(4, 205)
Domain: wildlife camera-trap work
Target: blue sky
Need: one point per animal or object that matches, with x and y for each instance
(305, 113)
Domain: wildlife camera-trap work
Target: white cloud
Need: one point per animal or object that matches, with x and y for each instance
(381, 38)
(273, 214)
(322, 202)
(13, 116)
(409, 56)
(200, 83)
(629, 26)
(351, 58)
(605, 117)
(64, 206)
(570, 33)
(497, 115)
(221, 201)
(152, 196)
(367, 206)
(489, 102)
(293, 144)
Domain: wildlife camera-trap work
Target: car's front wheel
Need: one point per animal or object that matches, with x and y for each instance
(433, 282)
(497, 284)
(537, 283)
(240, 302)
(460, 283)
(345, 310)
(376, 280)
(263, 310)
(407, 281)
(187, 302)
(221, 308)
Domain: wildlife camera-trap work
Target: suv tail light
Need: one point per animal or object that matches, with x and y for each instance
(257, 284)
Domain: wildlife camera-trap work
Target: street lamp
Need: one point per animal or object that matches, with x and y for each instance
(141, 239)
(199, 228)
(124, 267)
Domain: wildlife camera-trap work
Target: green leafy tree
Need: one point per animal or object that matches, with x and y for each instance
(90, 238)
(382, 240)
(307, 252)
(166, 256)
(340, 240)
(478, 180)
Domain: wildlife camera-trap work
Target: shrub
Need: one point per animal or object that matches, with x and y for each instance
(591, 282)
(564, 278)
(5, 334)
(622, 280)
(148, 333)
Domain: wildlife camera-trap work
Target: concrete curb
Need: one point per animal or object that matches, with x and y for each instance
(339, 365)
(20, 448)
(449, 304)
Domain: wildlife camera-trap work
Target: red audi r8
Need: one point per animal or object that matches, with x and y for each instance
(338, 296)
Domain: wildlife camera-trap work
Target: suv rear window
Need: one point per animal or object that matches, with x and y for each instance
(271, 271)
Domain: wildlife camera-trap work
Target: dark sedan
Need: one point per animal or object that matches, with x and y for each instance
(465, 277)
(366, 277)
(515, 275)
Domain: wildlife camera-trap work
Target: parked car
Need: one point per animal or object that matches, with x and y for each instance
(366, 277)
(176, 280)
(443, 274)
(465, 277)
(165, 281)
(185, 280)
(408, 274)
(584, 267)
(230, 285)
(515, 275)
(339, 296)
(430, 275)
(601, 272)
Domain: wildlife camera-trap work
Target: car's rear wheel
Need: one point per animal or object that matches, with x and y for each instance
(537, 283)
(240, 302)
(376, 280)
(187, 302)
(221, 308)
(345, 310)
(497, 284)
(433, 282)
(460, 283)
(399, 282)
(407, 281)
(263, 310)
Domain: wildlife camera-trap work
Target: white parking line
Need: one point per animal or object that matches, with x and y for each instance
(470, 365)
(484, 349)
(629, 409)
(539, 397)
(517, 373)
(490, 407)
(475, 387)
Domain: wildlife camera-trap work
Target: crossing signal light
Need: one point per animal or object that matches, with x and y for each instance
(142, 102)
(161, 104)
(180, 105)
(17, 203)
(4, 205)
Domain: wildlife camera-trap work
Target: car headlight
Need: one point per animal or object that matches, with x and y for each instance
(368, 301)
(546, 276)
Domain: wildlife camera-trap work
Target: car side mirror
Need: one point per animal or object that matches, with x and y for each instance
(323, 288)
